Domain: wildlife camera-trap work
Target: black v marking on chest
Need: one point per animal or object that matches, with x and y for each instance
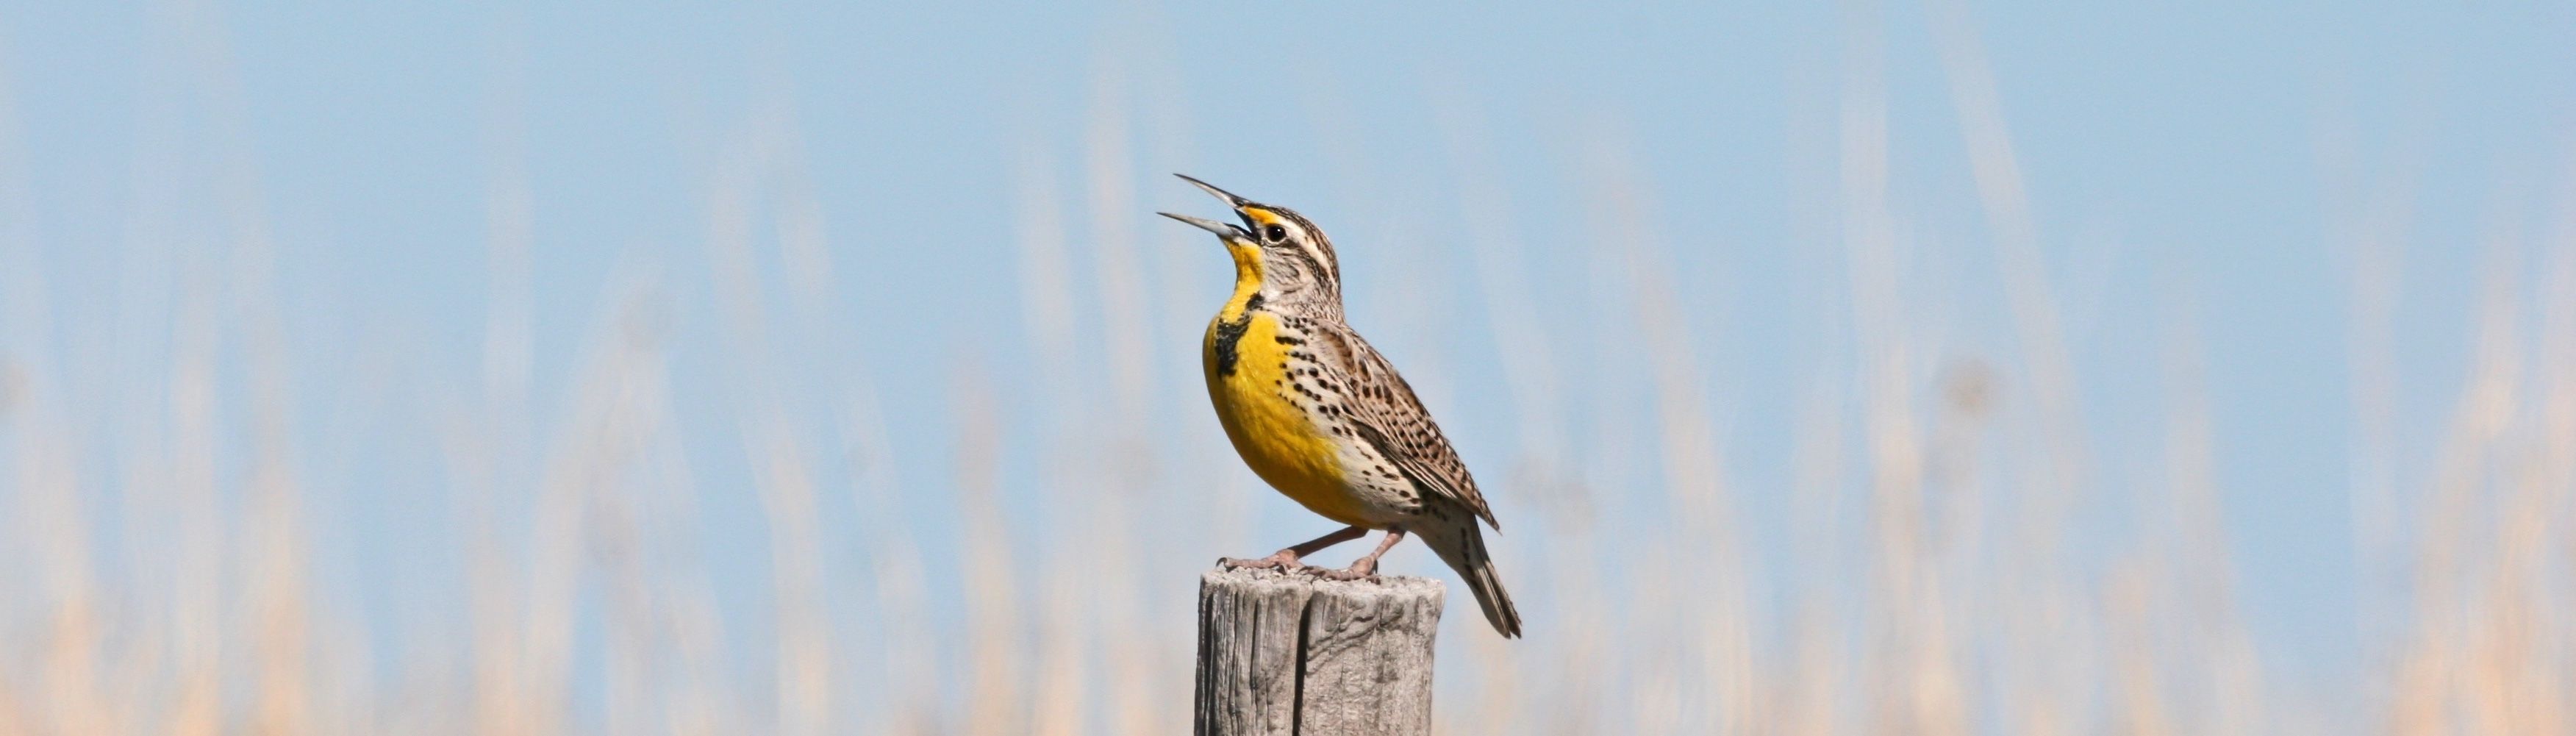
(1230, 332)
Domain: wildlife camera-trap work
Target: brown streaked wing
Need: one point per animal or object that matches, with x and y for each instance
(1390, 418)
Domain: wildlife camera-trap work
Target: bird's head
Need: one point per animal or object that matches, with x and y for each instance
(1286, 254)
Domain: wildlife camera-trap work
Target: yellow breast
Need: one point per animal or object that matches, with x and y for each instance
(1248, 382)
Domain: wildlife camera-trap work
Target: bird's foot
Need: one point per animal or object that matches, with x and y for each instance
(1285, 560)
(1365, 569)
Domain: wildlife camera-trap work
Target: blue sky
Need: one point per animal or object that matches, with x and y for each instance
(2191, 160)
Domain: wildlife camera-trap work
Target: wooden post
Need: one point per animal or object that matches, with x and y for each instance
(1290, 653)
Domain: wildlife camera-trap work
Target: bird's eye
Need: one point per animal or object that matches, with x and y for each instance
(1275, 233)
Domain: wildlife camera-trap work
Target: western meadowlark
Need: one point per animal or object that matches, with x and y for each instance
(1322, 417)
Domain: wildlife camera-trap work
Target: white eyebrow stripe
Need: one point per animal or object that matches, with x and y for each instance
(1306, 241)
(1310, 240)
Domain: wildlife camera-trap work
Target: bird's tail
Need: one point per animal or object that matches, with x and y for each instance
(1460, 543)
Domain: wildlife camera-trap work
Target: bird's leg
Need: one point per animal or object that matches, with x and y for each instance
(1291, 558)
(1366, 567)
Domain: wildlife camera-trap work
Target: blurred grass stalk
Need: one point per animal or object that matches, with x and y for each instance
(1971, 619)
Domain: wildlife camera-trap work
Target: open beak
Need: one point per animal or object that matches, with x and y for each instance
(1224, 231)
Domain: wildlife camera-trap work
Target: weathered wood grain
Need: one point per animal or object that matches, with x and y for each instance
(1290, 653)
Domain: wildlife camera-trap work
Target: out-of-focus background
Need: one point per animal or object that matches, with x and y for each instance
(1937, 367)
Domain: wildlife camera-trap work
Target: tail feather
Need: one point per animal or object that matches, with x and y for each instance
(1460, 543)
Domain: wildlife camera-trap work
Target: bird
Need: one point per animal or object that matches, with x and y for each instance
(1323, 418)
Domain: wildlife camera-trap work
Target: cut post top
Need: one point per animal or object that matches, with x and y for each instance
(1296, 654)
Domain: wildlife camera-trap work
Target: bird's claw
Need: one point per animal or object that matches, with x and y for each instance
(1282, 561)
